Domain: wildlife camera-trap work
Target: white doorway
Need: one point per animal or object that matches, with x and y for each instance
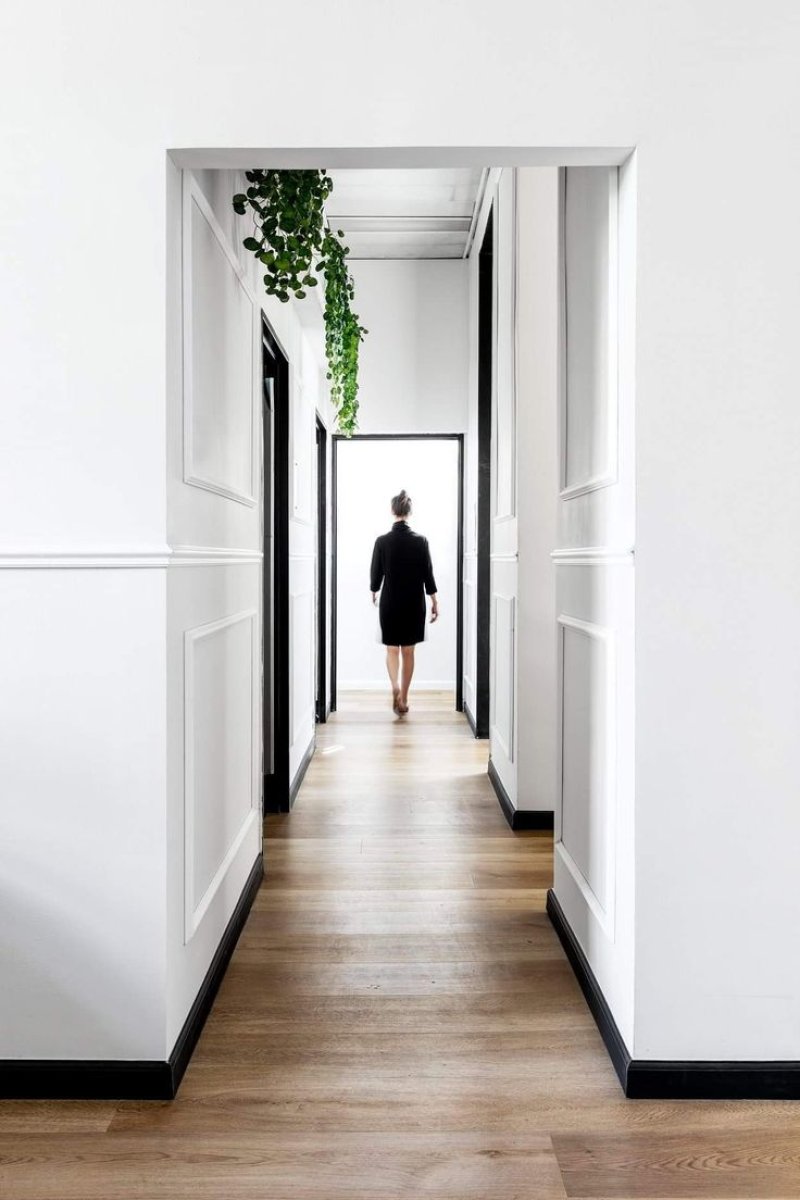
(369, 471)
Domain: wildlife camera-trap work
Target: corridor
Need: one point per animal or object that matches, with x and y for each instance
(398, 1021)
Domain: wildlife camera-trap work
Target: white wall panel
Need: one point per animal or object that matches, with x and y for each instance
(302, 634)
(470, 631)
(588, 752)
(589, 441)
(503, 675)
(219, 359)
(537, 502)
(221, 787)
(504, 528)
(504, 445)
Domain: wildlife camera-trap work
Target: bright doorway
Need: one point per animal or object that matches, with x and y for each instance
(368, 471)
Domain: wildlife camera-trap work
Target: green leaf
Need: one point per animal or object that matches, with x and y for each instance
(250, 243)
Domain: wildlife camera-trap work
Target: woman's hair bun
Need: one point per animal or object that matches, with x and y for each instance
(401, 504)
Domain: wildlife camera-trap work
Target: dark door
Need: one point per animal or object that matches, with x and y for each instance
(322, 572)
(276, 573)
(483, 590)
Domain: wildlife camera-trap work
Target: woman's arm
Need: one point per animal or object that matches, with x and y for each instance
(376, 570)
(430, 584)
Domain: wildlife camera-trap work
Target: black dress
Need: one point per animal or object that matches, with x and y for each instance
(401, 561)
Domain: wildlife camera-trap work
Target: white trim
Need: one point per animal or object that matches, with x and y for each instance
(193, 914)
(209, 556)
(193, 196)
(606, 915)
(85, 558)
(121, 557)
(592, 556)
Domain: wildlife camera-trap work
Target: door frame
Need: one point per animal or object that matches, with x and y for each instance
(322, 571)
(402, 437)
(276, 410)
(483, 597)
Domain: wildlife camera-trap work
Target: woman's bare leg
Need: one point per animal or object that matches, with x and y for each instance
(393, 667)
(407, 653)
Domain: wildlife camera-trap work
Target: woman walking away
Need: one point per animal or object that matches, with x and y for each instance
(401, 561)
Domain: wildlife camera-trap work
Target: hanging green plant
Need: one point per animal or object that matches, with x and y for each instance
(291, 241)
(343, 333)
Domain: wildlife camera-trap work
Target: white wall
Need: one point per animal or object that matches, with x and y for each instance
(705, 94)
(83, 860)
(369, 474)
(414, 361)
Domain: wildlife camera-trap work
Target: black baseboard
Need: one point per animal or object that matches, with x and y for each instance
(643, 1079)
(517, 818)
(474, 725)
(617, 1050)
(280, 799)
(470, 720)
(63, 1079)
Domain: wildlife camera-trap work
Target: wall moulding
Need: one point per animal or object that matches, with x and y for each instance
(124, 558)
(602, 906)
(592, 556)
(605, 473)
(196, 906)
(503, 709)
(196, 473)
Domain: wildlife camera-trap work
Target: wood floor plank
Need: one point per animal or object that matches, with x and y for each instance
(281, 1166)
(723, 1165)
(399, 1020)
(55, 1116)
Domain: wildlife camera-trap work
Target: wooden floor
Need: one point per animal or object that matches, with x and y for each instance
(399, 1021)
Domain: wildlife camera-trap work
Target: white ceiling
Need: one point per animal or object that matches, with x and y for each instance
(389, 213)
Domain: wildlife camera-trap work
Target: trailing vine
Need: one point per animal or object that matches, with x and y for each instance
(291, 240)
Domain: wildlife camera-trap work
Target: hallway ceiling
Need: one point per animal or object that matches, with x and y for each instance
(388, 213)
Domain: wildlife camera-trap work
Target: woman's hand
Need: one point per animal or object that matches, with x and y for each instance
(374, 597)
(434, 609)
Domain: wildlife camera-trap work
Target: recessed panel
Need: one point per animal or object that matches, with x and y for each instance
(303, 650)
(587, 755)
(504, 432)
(219, 746)
(503, 674)
(219, 376)
(590, 326)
